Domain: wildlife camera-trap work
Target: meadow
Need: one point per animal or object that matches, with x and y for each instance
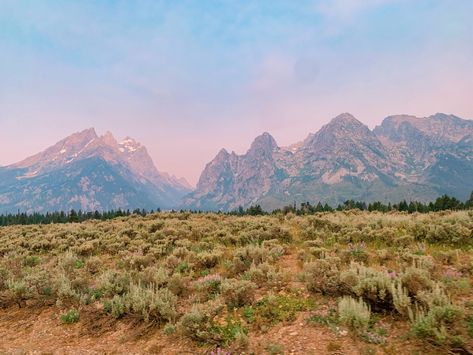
(346, 282)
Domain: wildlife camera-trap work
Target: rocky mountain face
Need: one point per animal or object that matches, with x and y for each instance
(404, 158)
(88, 172)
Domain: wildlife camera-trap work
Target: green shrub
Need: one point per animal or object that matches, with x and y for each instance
(169, 329)
(116, 306)
(199, 323)
(112, 283)
(266, 274)
(246, 256)
(435, 324)
(273, 308)
(208, 260)
(469, 321)
(19, 289)
(31, 260)
(416, 280)
(237, 293)
(39, 281)
(152, 304)
(208, 287)
(354, 313)
(322, 276)
(68, 262)
(401, 299)
(71, 316)
(274, 349)
(373, 286)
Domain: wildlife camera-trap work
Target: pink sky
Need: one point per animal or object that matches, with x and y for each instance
(189, 80)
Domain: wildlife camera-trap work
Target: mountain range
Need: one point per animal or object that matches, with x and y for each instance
(405, 157)
(89, 172)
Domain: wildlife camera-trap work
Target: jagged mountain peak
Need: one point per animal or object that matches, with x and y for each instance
(60, 153)
(109, 139)
(341, 131)
(345, 118)
(438, 128)
(129, 145)
(95, 165)
(344, 122)
(445, 116)
(263, 143)
(88, 132)
(222, 155)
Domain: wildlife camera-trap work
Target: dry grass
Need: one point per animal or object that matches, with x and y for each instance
(225, 281)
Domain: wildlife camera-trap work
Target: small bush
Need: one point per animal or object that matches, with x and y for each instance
(169, 329)
(435, 324)
(114, 283)
(19, 289)
(437, 296)
(322, 276)
(275, 349)
(373, 286)
(152, 304)
(207, 260)
(94, 265)
(72, 316)
(354, 313)
(177, 284)
(198, 324)
(32, 260)
(237, 293)
(116, 306)
(401, 299)
(246, 256)
(416, 280)
(266, 274)
(277, 308)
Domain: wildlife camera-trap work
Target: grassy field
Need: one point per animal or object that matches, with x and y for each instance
(343, 283)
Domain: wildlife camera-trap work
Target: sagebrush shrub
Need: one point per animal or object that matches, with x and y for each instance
(208, 260)
(416, 280)
(436, 296)
(152, 304)
(116, 306)
(354, 313)
(71, 316)
(237, 293)
(19, 289)
(434, 325)
(198, 324)
(244, 257)
(94, 264)
(208, 286)
(401, 299)
(322, 276)
(112, 283)
(266, 274)
(373, 286)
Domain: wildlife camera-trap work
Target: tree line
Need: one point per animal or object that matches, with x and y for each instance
(72, 216)
(442, 203)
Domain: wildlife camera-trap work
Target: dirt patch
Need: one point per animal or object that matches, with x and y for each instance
(40, 331)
